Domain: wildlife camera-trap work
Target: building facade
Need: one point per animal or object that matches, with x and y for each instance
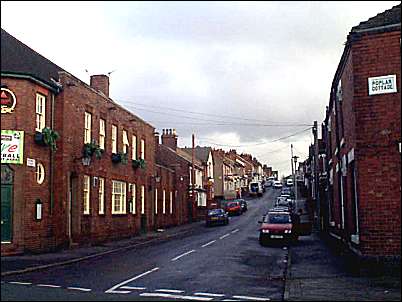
(362, 138)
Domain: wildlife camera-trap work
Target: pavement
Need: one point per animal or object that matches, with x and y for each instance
(317, 273)
(12, 265)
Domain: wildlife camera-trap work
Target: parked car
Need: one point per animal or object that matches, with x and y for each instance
(277, 225)
(243, 205)
(217, 216)
(233, 208)
(277, 184)
(289, 182)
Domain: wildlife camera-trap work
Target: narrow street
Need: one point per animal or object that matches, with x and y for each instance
(217, 263)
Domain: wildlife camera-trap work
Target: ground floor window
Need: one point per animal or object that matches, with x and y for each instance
(118, 197)
(86, 189)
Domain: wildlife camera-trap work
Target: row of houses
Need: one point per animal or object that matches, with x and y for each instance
(353, 173)
(78, 168)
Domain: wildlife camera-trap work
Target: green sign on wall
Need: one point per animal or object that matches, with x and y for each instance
(12, 147)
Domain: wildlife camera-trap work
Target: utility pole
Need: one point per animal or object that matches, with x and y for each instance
(193, 175)
(291, 162)
(316, 191)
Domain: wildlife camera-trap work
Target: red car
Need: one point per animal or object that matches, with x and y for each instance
(277, 225)
(233, 208)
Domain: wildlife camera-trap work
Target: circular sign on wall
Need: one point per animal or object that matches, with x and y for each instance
(8, 100)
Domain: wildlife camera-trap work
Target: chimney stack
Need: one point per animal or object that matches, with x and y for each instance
(100, 82)
(169, 138)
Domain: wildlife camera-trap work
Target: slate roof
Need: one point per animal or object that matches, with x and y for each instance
(388, 17)
(201, 153)
(18, 58)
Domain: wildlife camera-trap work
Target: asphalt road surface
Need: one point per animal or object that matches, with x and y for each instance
(221, 263)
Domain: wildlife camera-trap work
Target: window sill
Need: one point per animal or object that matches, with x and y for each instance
(119, 214)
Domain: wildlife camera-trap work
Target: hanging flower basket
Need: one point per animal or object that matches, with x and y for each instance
(138, 163)
(116, 158)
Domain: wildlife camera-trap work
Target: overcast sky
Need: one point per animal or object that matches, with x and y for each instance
(251, 72)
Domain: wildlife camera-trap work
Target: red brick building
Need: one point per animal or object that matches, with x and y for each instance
(362, 135)
(60, 198)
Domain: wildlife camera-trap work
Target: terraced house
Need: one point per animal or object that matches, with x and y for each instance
(360, 152)
(96, 181)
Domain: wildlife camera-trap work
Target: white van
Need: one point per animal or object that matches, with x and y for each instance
(255, 188)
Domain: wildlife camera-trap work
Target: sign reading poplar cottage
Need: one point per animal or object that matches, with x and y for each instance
(380, 85)
(12, 147)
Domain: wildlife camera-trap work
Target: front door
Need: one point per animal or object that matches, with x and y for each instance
(6, 203)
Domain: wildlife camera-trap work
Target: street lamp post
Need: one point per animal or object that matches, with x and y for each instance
(294, 176)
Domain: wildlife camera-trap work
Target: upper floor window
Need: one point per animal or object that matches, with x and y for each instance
(125, 142)
(142, 155)
(134, 147)
(40, 112)
(114, 139)
(87, 131)
(102, 133)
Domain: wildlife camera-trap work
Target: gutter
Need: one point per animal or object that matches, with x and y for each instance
(31, 78)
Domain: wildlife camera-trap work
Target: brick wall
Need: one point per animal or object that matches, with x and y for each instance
(76, 99)
(28, 233)
(371, 126)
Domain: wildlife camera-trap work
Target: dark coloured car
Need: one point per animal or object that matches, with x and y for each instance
(277, 225)
(217, 216)
(233, 208)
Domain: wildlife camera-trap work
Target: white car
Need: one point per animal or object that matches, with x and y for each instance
(277, 184)
(289, 182)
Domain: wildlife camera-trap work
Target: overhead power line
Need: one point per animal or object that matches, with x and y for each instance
(219, 122)
(256, 144)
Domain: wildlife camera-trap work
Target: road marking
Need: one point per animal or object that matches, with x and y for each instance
(251, 298)
(182, 255)
(20, 283)
(133, 287)
(209, 295)
(235, 231)
(48, 285)
(80, 289)
(224, 236)
(174, 291)
(209, 243)
(113, 291)
(175, 296)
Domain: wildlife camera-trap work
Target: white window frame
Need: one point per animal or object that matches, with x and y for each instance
(126, 143)
(40, 112)
(40, 173)
(164, 202)
(102, 133)
(171, 202)
(101, 196)
(134, 198)
(87, 127)
(118, 197)
(134, 148)
(86, 188)
(142, 199)
(114, 139)
(142, 155)
(156, 201)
